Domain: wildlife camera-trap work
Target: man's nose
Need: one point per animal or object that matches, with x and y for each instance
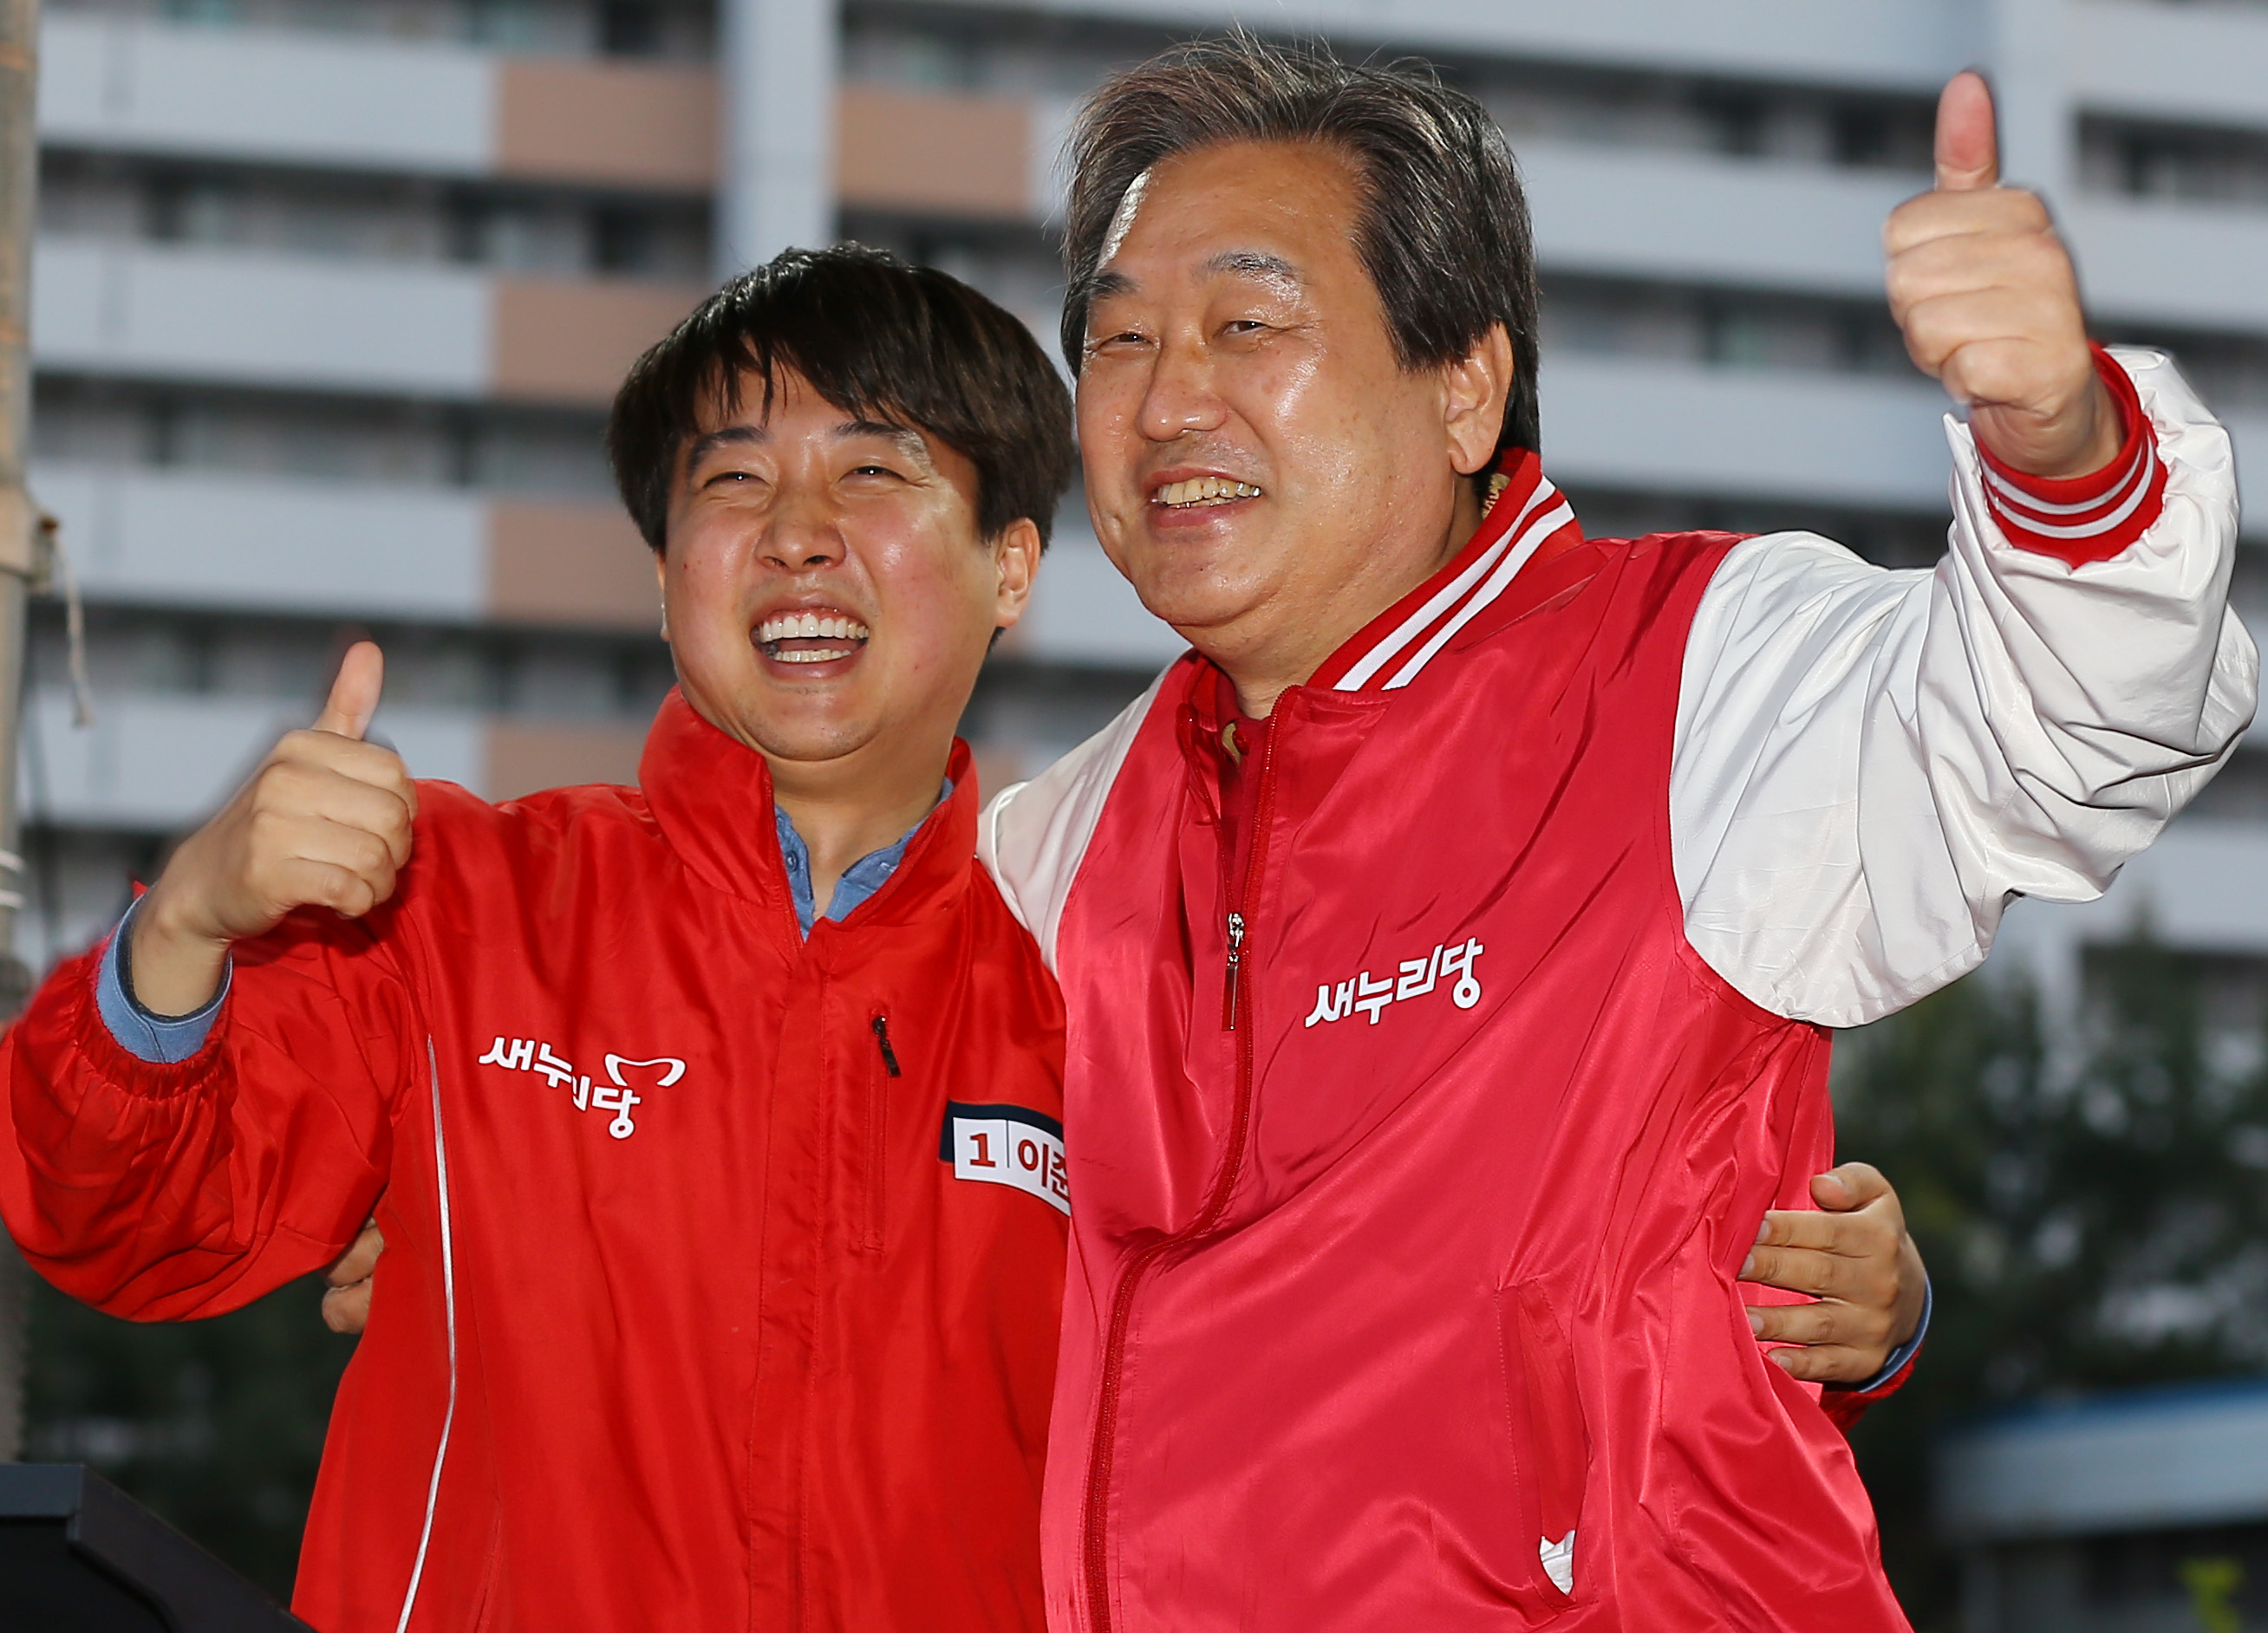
(803, 533)
(1181, 397)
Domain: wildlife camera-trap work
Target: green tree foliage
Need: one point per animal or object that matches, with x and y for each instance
(217, 1425)
(2088, 1194)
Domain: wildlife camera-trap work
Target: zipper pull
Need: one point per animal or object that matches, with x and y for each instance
(1235, 960)
(882, 1036)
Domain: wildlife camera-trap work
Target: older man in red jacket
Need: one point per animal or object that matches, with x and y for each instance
(1449, 943)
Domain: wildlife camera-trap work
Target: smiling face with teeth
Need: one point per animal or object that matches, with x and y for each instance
(808, 637)
(827, 594)
(1259, 462)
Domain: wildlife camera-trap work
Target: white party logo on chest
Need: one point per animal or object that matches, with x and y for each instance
(618, 1094)
(1412, 978)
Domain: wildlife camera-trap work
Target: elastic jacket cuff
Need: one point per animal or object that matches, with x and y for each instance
(2079, 520)
(159, 1040)
(1846, 1403)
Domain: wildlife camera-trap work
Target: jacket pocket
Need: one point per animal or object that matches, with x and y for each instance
(874, 1135)
(1550, 1443)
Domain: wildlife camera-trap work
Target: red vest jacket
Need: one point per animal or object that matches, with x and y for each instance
(696, 1312)
(1403, 1291)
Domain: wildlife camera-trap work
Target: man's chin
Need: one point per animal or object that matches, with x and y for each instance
(789, 724)
(1204, 578)
(1201, 607)
(803, 745)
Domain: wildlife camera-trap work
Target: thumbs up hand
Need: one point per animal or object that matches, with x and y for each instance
(325, 821)
(1985, 294)
(353, 701)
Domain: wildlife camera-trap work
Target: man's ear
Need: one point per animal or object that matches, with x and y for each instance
(1016, 554)
(661, 583)
(1475, 390)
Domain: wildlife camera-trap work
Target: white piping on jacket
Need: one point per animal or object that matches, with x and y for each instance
(1541, 528)
(449, 1305)
(1390, 645)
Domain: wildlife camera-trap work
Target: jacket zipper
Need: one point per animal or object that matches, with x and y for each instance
(881, 1025)
(1235, 962)
(1236, 1000)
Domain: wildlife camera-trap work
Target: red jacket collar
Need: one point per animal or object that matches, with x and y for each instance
(1528, 521)
(712, 797)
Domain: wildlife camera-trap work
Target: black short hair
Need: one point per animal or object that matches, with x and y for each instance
(1443, 230)
(905, 345)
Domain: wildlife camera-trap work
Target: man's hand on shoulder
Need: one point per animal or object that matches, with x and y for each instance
(325, 821)
(1856, 1260)
(1985, 294)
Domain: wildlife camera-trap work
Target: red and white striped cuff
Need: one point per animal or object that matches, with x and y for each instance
(2079, 520)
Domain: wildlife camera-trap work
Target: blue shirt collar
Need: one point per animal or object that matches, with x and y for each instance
(865, 876)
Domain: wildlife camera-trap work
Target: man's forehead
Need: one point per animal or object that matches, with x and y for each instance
(1264, 265)
(1254, 265)
(1246, 221)
(751, 426)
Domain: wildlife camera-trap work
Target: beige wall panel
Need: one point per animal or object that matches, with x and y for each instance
(934, 155)
(572, 340)
(579, 564)
(524, 756)
(630, 124)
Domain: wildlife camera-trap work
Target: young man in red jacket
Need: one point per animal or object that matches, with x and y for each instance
(713, 1124)
(1449, 944)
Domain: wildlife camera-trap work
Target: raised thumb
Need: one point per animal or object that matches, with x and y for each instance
(1968, 137)
(354, 693)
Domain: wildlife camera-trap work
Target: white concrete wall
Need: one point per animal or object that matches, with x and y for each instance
(779, 60)
(1679, 218)
(357, 103)
(206, 539)
(1700, 218)
(163, 311)
(2193, 266)
(162, 762)
(1901, 44)
(2184, 63)
(1638, 423)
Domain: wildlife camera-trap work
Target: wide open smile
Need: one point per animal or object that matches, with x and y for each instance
(813, 636)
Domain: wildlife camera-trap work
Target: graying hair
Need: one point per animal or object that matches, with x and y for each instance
(1443, 226)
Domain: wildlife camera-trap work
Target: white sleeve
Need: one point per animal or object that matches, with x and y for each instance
(1869, 764)
(1033, 836)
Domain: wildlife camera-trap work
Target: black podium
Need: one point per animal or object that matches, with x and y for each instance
(79, 1555)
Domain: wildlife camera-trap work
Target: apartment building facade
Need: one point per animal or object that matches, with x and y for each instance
(330, 296)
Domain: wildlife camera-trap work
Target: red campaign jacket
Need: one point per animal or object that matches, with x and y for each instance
(1408, 1300)
(695, 1312)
